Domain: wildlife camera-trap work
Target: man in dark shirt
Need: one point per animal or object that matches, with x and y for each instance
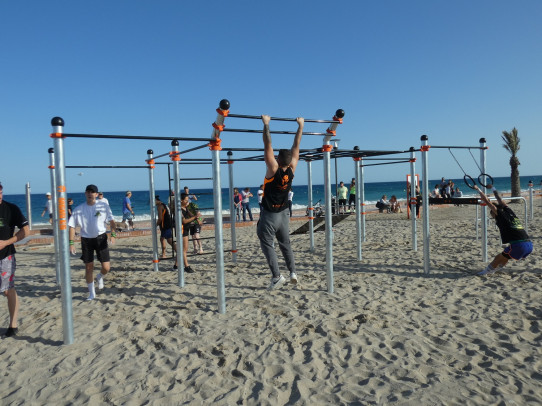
(274, 218)
(10, 217)
(512, 233)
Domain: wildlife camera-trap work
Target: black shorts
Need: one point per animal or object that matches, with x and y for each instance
(342, 202)
(98, 244)
(195, 229)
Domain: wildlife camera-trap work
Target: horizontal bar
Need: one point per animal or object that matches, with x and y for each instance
(165, 154)
(388, 163)
(106, 166)
(237, 130)
(133, 137)
(194, 149)
(452, 147)
(307, 120)
(196, 179)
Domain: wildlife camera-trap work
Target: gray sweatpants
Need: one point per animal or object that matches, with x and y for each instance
(273, 225)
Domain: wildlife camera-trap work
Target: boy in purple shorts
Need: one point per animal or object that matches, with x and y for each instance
(512, 233)
(10, 217)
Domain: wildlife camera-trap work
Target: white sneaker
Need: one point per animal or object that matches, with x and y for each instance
(100, 282)
(293, 278)
(91, 296)
(276, 282)
(486, 272)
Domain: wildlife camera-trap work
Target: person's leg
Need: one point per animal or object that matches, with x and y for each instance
(266, 233)
(163, 244)
(13, 307)
(498, 262)
(174, 247)
(249, 212)
(185, 251)
(283, 237)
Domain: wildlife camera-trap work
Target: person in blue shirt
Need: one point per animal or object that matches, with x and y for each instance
(127, 211)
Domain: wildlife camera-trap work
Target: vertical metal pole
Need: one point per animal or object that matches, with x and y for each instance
(63, 234)
(232, 210)
(28, 204)
(357, 161)
(336, 183)
(152, 202)
(425, 201)
(219, 243)
(476, 220)
(484, 208)
(310, 206)
(329, 220)
(361, 192)
(412, 202)
(55, 213)
(178, 218)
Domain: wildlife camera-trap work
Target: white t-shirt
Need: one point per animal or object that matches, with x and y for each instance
(103, 199)
(260, 195)
(91, 219)
(245, 196)
(290, 195)
(49, 206)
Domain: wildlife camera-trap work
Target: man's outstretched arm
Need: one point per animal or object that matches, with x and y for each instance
(486, 200)
(269, 155)
(297, 143)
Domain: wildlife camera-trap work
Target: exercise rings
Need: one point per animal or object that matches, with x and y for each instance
(481, 176)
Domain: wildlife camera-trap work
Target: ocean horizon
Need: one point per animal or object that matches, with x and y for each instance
(141, 203)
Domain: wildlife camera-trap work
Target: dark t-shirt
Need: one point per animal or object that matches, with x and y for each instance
(10, 217)
(167, 221)
(275, 190)
(510, 227)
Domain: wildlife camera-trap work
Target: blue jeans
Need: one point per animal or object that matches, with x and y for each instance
(246, 207)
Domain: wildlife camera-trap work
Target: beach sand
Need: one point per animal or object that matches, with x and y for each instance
(387, 335)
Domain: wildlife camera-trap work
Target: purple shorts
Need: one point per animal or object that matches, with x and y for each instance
(518, 250)
(7, 272)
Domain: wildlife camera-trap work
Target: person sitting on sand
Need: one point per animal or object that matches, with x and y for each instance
(395, 206)
(511, 230)
(383, 204)
(436, 192)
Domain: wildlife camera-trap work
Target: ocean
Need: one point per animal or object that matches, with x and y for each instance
(141, 204)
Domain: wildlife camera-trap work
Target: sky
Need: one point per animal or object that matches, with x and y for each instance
(456, 71)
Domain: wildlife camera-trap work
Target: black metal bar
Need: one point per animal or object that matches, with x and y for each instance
(106, 166)
(238, 130)
(388, 163)
(194, 149)
(165, 154)
(443, 146)
(307, 120)
(196, 179)
(134, 137)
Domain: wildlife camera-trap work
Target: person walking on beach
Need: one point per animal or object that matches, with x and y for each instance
(511, 230)
(260, 197)
(165, 224)
(91, 216)
(352, 196)
(187, 219)
(237, 198)
(127, 211)
(10, 217)
(274, 220)
(48, 208)
(342, 192)
(245, 204)
(290, 201)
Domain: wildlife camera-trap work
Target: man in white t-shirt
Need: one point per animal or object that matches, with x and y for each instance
(245, 203)
(48, 208)
(260, 197)
(290, 198)
(91, 217)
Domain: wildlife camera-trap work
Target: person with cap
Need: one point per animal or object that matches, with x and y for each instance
(127, 211)
(91, 217)
(10, 217)
(48, 208)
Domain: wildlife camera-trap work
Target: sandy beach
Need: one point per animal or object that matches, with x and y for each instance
(388, 335)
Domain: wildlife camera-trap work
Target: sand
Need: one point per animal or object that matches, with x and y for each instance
(388, 335)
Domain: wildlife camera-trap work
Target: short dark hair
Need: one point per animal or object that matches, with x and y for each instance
(285, 157)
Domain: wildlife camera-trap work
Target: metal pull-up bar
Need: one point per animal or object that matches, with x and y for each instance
(307, 120)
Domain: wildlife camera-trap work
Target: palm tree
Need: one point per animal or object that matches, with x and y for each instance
(511, 144)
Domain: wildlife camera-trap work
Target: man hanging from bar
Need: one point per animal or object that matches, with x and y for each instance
(274, 218)
(512, 233)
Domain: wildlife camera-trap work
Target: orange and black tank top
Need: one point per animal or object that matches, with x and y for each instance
(275, 190)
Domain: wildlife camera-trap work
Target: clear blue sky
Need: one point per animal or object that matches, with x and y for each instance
(454, 70)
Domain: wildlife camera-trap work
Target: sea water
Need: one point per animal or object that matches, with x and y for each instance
(141, 202)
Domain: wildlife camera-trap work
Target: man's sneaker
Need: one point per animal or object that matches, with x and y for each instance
(11, 331)
(175, 268)
(486, 272)
(189, 269)
(293, 278)
(100, 282)
(276, 282)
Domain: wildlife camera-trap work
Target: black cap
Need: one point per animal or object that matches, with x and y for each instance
(92, 188)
